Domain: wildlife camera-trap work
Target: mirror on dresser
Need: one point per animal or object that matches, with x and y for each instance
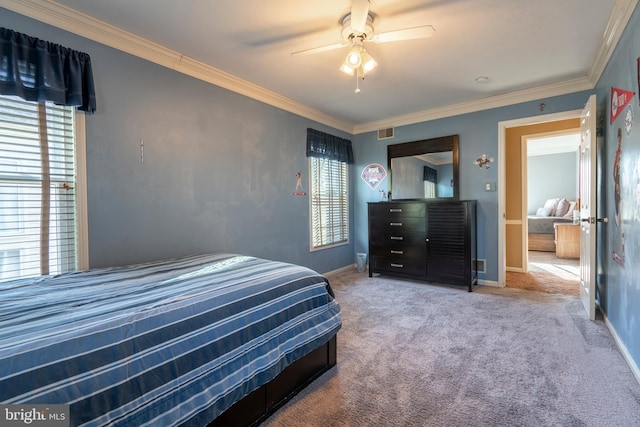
(425, 169)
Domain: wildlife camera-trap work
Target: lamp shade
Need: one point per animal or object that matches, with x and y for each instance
(347, 69)
(354, 58)
(368, 63)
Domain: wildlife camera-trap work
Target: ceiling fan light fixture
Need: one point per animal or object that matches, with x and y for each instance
(368, 63)
(347, 69)
(354, 57)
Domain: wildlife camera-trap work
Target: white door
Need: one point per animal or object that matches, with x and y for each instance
(587, 183)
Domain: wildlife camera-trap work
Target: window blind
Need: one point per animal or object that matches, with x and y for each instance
(329, 202)
(37, 189)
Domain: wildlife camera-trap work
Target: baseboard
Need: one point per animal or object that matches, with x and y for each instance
(623, 349)
(491, 283)
(349, 267)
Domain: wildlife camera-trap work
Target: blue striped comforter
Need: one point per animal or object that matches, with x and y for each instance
(158, 343)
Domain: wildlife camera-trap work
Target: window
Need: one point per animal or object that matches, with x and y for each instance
(430, 181)
(42, 203)
(429, 190)
(329, 202)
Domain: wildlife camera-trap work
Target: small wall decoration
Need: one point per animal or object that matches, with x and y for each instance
(618, 238)
(628, 120)
(299, 188)
(373, 175)
(484, 161)
(619, 99)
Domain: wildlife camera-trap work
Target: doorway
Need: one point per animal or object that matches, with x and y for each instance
(550, 198)
(540, 270)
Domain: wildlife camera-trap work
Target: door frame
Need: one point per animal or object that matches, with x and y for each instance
(502, 132)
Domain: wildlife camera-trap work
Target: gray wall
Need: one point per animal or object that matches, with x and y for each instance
(409, 183)
(445, 175)
(551, 176)
(218, 173)
(619, 284)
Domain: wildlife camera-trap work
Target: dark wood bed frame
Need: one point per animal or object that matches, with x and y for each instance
(261, 403)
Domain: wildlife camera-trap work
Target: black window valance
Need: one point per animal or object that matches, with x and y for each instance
(430, 175)
(38, 70)
(324, 145)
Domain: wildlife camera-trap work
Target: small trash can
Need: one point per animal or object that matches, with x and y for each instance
(361, 262)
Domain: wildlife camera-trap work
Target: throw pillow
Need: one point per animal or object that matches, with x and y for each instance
(562, 208)
(543, 212)
(572, 207)
(551, 205)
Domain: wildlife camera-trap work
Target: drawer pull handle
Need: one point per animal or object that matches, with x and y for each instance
(395, 210)
(397, 265)
(397, 238)
(397, 252)
(395, 224)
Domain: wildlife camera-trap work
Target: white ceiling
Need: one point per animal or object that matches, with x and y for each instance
(555, 144)
(528, 49)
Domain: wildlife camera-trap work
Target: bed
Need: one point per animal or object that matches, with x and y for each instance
(176, 342)
(540, 229)
(541, 233)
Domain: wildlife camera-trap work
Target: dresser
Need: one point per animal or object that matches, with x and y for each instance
(431, 240)
(567, 239)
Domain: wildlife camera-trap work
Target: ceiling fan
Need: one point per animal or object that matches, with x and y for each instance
(357, 29)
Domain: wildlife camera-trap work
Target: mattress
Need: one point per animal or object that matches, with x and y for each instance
(544, 224)
(159, 343)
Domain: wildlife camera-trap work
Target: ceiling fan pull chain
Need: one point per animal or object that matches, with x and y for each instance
(357, 82)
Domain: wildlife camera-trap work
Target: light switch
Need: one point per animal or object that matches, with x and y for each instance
(490, 186)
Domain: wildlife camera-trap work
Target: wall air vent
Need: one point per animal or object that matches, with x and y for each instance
(480, 265)
(386, 133)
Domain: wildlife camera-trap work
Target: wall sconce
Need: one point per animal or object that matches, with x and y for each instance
(484, 161)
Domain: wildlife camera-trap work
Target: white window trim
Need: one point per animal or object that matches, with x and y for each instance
(82, 220)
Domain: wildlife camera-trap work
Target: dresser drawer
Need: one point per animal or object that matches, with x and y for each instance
(399, 251)
(398, 224)
(397, 239)
(398, 265)
(397, 210)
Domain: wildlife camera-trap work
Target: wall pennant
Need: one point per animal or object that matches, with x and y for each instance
(619, 99)
(373, 175)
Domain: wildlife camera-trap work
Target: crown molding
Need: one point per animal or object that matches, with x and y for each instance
(622, 11)
(68, 19)
(497, 101)
(71, 20)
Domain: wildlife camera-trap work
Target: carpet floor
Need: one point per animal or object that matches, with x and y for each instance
(548, 273)
(414, 354)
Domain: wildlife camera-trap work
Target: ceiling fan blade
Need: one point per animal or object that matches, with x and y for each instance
(359, 14)
(406, 34)
(320, 49)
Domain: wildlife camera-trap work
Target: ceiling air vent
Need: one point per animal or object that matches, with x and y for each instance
(386, 133)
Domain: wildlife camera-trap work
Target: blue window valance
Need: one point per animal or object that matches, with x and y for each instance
(38, 70)
(430, 175)
(324, 145)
